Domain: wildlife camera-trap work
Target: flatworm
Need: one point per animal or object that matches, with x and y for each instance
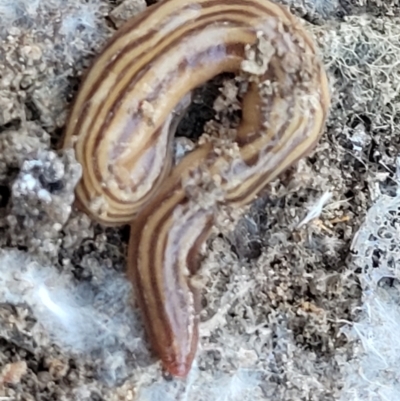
(121, 127)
